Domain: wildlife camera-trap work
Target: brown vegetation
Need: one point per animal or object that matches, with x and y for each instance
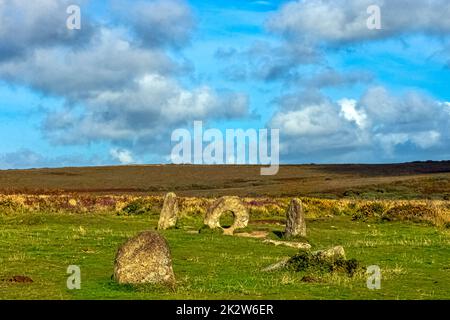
(435, 212)
(391, 181)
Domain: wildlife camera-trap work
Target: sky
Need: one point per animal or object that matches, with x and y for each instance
(113, 91)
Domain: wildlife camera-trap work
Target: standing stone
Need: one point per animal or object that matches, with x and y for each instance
(222, 205)
(169, 212)
(295, 220)
(144, 258)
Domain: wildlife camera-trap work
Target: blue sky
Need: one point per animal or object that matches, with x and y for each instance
(112, 92)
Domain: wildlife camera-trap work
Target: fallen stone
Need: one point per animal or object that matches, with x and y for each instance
(254, 234)
(276, 266)
(331, 254)
(297, 245)
(144, 258)
(330, 260)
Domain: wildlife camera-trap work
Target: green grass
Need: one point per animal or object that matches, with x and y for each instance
(414, 258)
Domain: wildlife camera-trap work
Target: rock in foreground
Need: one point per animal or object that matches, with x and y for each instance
(144, 258)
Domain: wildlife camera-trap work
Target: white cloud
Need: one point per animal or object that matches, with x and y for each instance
(411, 111)
(149, 110)
(122, 155)
(388, 142)
(309, 120)
(426, 139)
(111, 62)
(349, 112)
(314, 126)
(345, 21)
(121, 86)
(380, 125)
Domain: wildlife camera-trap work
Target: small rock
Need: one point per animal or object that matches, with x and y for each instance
(295, 219)
(331, 254)
(254, 234)
(169, 212)
(276, 266)
(297, 245)
(331, 260)
(144, 258)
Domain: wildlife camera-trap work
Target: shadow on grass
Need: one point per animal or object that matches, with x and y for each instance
(281, 235)
(142, 288)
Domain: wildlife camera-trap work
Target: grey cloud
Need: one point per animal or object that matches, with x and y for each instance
(380, 125)
(309, 29)
(21, 159)
(120, 88)
(336, 22)
(158, 23)
(332, 78)
(27, 25)
(313, 125)
(154, 107)
(110, 63)
(268, 62)
(413, 117)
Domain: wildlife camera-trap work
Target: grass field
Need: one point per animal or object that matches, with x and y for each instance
(414, 259)
(396, 217)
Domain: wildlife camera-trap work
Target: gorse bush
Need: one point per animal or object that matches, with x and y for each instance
(429, 213)
(10, 204)
(310, 262)
(435, 212)
(369, 210)
(139, 207)
(194, 206)
(408, 212)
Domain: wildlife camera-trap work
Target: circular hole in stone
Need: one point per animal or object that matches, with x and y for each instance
(226, 219)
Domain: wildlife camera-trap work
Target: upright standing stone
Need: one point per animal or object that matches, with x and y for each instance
(295, 219)
(144, 258)
(169, 212)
